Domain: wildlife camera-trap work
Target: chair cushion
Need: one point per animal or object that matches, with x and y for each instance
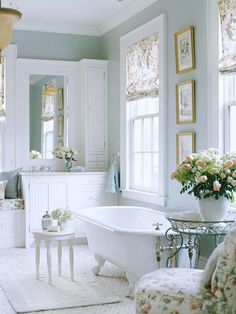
(165, 291)
(3, 185)
(211, 265)
(12, 189)
(11, 204)
(223, 284)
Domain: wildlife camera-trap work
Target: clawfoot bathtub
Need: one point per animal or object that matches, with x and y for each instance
(126, 237)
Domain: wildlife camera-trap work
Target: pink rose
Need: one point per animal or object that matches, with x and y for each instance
(189, 158)
(173, 175)
(146, 308)
(203, 179)
(216, 186)
(228, 163)
(234, 161)
(187, 167)
(200, 163)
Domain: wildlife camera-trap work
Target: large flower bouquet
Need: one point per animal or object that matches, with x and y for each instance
(205, 174)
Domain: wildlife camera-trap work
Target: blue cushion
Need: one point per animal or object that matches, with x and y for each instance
(12, 189)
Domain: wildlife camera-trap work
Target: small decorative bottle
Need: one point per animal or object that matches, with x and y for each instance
(46, 221)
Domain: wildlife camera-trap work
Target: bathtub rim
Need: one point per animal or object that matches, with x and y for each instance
(81, 214)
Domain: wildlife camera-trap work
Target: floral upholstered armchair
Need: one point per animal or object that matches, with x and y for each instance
(185, 291)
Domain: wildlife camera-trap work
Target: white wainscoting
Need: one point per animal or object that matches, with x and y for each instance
(12, 228)
(48, 191)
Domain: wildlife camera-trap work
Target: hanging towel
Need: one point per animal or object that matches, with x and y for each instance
(112, 178)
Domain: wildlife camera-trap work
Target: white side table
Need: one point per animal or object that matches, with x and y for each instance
(48, 237)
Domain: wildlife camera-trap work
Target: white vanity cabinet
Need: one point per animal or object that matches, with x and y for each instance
(48, 191)
(92, 120)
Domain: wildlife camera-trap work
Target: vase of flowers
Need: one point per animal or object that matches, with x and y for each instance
(62, 216)
(68, 154)
(211, 179)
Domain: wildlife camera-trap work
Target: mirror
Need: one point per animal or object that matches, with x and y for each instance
(48, 114)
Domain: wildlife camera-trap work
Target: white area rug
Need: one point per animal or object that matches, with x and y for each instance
(26, 294)
(19, 265)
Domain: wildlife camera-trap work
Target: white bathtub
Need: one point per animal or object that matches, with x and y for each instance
(126, 237)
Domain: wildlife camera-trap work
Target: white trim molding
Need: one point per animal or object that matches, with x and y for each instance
(156, 25)
(120, 17)
(10, 132)
(215, 108)
(124, 15)
(57, 28)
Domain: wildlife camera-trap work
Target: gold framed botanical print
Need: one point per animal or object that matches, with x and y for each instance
(184, 50)
(60, 126)
(185, 102)
(60, 99)
(185, 145)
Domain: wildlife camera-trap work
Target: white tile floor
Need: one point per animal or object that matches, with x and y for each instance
(111, 278)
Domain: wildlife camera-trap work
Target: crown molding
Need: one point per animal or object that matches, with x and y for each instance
(124, 15)
(73, 29)
(117, 19)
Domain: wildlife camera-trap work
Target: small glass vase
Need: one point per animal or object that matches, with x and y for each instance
(68, 165)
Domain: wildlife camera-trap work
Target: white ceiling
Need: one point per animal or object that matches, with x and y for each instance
(86, 17)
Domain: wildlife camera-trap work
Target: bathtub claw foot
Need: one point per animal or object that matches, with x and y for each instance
(101, 261)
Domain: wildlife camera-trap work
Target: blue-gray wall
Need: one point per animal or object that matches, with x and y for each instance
(179, 13)
(51, 46)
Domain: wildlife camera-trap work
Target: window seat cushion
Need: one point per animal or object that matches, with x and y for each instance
(11, 204)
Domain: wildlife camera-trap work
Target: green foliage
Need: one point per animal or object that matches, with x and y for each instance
(61, 215)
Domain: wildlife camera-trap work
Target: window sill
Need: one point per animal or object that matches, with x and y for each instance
(144, 197)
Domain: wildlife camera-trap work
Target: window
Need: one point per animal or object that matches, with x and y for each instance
(47, 139)
(227, 68)
(142, 113)
(229, 100)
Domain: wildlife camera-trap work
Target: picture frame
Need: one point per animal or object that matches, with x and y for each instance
(185, 102)
(60, 125)
(184, 50)
(60, 99)
(185, 145)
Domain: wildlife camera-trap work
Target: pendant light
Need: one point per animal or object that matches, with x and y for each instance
(7, 18)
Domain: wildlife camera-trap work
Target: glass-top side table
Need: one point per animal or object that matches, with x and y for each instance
(198, 227)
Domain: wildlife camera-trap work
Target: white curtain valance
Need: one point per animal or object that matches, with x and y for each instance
(142, 68)
(2, 89)
(227, 10)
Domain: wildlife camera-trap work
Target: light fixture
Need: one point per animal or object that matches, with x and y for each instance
(7, 18)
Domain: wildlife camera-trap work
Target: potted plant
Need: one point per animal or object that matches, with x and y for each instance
(211, 179)
(68, 154)
(62, 216)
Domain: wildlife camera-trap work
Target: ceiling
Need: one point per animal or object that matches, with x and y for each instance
(86, 17)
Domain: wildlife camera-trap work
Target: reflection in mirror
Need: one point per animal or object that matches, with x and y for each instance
(47, 114)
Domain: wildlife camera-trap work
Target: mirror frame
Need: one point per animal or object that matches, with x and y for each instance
(25, 68)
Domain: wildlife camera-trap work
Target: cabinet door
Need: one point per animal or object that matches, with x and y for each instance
(57, 195)
(96, 109)
(39, 193)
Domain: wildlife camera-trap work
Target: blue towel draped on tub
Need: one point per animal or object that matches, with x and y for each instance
(112, 178)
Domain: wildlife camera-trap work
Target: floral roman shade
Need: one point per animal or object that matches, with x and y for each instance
(2, 78)
(227, 10)
(142, 68)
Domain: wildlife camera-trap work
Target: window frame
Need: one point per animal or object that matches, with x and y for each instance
(227, 135)
(156, 25)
